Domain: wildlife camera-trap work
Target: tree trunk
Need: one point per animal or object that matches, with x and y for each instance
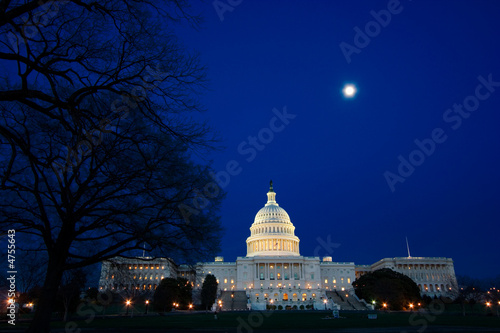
(43, 313)
(65, 318)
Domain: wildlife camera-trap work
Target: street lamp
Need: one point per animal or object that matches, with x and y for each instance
(190, 306)
(147, 305)
(324, 301)
(127, 304)
(385, 306)
(411, 306)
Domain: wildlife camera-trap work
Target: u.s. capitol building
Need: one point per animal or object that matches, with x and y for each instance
(274, 273)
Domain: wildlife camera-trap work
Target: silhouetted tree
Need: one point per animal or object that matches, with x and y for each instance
(69, 291)
(171, 291)
(92, 293)
(469, 292)
(387, 286)
(209, 291)
(96, 137)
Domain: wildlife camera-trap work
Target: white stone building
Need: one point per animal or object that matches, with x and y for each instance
(274, 273)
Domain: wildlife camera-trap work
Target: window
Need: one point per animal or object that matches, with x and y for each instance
(348, 280)
(296, 276)
(271, 275)
(262, 276)
(286, 276)
(225, 280)
(326, 281)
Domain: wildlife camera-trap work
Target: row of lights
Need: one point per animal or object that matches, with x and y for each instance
(176, 305)
(385, 305)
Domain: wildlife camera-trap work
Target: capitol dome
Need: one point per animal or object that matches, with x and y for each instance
(272, 233)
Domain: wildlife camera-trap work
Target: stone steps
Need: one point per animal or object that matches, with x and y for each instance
(234, 300)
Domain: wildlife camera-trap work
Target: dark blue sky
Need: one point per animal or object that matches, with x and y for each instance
(328, 162)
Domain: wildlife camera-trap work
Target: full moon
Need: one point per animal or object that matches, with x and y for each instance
(349, 90)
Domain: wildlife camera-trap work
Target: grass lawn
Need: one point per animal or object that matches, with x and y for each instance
(284, 320)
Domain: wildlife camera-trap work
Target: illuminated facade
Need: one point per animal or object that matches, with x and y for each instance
(273, 273)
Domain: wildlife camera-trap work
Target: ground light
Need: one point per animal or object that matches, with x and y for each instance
(147, 306)
(127, 305)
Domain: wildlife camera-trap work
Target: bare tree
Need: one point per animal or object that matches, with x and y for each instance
(69, 291)
(97, 137)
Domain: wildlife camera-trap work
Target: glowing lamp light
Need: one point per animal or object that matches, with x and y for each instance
(128, 302)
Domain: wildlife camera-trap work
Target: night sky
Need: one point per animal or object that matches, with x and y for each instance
(329, 156)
